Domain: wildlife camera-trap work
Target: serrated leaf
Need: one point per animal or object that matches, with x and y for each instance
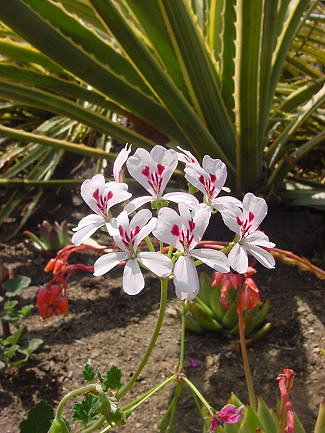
(88, 410)
(88, 372)
(38, 419)
(14, 286)
(113, 377)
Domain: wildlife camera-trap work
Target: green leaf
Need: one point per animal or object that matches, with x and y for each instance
(30, 346)
(14, 338)
(88, 410)
(250, 421)
(38, 419)
(25, 311)
(88, 372)
(267, 417)
(14, 286)
(113, 377)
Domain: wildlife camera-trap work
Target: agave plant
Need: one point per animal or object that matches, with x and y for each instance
(52, 237)
(238, 80)
(213, 310)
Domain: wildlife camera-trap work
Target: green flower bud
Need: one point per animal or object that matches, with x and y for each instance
(58, 426)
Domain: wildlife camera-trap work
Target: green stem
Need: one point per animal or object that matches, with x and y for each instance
(178, 391)
(73, 394)
(198, 394)
(248, 374)
(146, 356)
(182, 343)
(95, 425)
(130, 407)
(149, 244)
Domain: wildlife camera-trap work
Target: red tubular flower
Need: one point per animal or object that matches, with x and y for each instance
(285, 381)
(51, 301)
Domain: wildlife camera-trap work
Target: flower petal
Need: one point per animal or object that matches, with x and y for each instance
(157, 263)
(264, 257)
(167, 218)
(140, 219)
(120, 161)
(144, 232)
(133, 281)
(137, 202)
(185, 278)
(258, 238)
(215, 259)
(106, 262)
(86, 227)
(238, 259)
(182, 197)
(257, 206)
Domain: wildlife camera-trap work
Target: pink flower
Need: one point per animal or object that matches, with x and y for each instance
(100, 197)
(153, 171)
(245, 222)
(131, 233)
(184, 231)
(228, 414)
(210, 180)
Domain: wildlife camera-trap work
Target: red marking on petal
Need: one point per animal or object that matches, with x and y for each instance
(161, 169)
(213, 178)
(96, 194)
(121, 230)
(191, 225)
(175, 230)
(201, 179)
(239, 221)
(250, 216)
(146, 171)
(109, 195)
(136, 231)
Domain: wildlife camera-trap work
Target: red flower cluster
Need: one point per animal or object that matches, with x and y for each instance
(52, 299)
(249, 295)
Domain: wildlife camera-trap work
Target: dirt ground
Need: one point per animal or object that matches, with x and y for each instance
(109, 327)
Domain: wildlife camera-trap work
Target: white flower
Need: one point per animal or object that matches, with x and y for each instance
(210, 180)
(184, 231)
(186, 156)
(245, 223)
(100, 197)
(130, 235)
(120, 161)
(153, 171)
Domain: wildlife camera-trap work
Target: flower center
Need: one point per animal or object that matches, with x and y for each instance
(245, 224)
(185, 236)
(102, 200)
(128, 237)
(154, 178)
(209, 184)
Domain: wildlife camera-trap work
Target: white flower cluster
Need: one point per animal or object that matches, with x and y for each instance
(182, 230)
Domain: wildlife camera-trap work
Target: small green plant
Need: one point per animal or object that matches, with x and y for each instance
(14, 349)
(215, 307)
(52, 237)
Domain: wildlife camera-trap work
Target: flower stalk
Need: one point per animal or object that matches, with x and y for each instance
(248, 374)
(146, 356)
